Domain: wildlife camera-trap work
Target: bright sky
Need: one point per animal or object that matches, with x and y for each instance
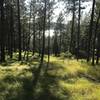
(68, 17)
(60, 7)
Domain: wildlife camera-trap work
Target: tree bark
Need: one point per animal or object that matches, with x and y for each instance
(72, 28)
(19, 30)
(11, 32)
(78, 35)
(98, 43)
(90, 32)
(44, 27)
(34, 35)
(2, 35)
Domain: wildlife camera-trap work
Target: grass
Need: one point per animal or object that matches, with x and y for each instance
(66, 79)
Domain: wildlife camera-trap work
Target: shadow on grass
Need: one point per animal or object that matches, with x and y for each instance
(43, 86)
(27, 89)
(49, 84)
(35, 86)
(9, 62)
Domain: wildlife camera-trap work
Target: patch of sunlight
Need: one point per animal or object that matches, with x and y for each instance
(57, 69)
(14, 70)
(58, 73)
(82, 89)
(52, 58)
(74, 67)
(16, 66)
(67, 68)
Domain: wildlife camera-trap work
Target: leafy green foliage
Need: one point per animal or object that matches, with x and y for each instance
(67, 54)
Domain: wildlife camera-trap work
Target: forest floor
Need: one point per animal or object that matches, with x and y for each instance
(65, 79)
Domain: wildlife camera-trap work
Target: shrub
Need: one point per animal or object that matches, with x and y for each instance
(67, 54)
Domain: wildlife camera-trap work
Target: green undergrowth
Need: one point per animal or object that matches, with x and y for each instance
(64, 79)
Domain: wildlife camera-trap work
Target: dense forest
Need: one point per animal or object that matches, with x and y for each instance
(49, 52)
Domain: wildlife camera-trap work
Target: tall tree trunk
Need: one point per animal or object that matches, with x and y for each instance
(78, 35)
(28, 48)
(98, 42)
(90, 32)
(60, 48)
(39, 39)
(72, 28)
(34, 35)
(44, 27)
(11, 32)
(28, 35)
(55, 45)
(48, 45)
(19, 30)
(94, 40)
(23, 41)
(2, 35)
